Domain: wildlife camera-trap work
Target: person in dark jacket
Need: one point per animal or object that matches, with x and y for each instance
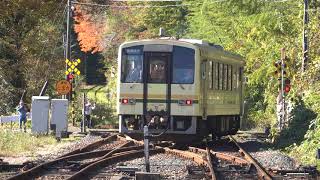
(87, 112)
(22, 109)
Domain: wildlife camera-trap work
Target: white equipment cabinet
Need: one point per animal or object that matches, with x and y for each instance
(40, 114)
(59, 119)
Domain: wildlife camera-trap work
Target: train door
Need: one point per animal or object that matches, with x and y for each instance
(203, 88)
(157, 89)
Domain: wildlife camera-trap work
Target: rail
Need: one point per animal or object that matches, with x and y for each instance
(263, 174)
(213, 175)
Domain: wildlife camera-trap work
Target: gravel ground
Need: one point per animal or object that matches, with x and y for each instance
(275, 160)
(268, 158)
(169, 167)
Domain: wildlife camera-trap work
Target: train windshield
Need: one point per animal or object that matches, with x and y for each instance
(183, 65)
(132, 64)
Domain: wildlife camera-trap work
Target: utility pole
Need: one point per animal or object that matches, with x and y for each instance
(68, 56)
(68, 44)
(305, 37)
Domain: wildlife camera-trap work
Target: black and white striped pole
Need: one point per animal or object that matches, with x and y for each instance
(146, 147)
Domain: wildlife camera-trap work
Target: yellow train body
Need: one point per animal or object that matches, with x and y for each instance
(162, 91)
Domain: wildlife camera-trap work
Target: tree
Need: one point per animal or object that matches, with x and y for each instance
(28, 39)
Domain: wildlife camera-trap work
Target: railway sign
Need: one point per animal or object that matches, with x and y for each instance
(72, 69)
(63, 87)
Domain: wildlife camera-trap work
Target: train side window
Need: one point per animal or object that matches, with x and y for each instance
(216, 75)
(203, 70)
(229, 77)
(210, 75)
(220, 76)
(238, 77)
(235, 78)
(225, 75)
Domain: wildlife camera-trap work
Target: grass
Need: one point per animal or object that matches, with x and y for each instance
(105, 98)
(17, 143)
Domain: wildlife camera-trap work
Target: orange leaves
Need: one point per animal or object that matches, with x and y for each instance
(90, 32)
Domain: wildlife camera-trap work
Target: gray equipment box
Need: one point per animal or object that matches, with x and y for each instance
(59, 116)
(40, 114)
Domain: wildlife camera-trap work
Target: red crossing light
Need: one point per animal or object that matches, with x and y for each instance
(70, 77)
(287, 88)
(287, 85)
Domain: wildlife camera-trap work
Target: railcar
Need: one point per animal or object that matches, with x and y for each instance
(182, 89)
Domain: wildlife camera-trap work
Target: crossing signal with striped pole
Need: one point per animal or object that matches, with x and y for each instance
(282, 76)
(286, 81)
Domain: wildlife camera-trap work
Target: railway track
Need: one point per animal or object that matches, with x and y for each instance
(97, 161)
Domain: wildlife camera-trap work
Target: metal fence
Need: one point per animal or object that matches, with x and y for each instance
(12, 119)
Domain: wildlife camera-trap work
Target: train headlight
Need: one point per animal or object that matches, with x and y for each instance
(163, 120)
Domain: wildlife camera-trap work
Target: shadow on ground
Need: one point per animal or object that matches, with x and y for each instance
(300, 120)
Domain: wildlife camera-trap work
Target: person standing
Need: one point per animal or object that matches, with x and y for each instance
(22, 110)
(135, 75)
(87, 112)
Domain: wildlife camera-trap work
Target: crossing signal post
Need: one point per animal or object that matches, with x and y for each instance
(284, 86)
(71, 72)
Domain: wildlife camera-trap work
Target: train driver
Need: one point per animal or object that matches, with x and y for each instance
(187, 76)
(135, 74)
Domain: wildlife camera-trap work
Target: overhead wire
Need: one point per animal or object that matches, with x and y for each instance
(142, 6)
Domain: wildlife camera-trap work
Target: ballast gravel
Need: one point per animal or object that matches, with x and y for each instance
(268, 158)
(274, 160)
(169, 167)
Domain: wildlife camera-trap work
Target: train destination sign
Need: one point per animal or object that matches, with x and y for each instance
(63, 87)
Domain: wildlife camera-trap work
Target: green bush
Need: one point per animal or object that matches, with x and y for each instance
(306, 149)
(104, 97)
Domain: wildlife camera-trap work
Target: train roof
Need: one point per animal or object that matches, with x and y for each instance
(207, 49)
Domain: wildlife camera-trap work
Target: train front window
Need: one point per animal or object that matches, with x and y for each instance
(157, 69)
(132, 65)
(183, 65)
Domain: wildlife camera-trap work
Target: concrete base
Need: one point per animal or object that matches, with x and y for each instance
(118, 177)
(128, 169)
(147, 176)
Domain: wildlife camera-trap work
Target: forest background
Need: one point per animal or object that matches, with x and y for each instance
(32, 51)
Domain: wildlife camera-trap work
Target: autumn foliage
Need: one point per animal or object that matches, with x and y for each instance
(90, 31)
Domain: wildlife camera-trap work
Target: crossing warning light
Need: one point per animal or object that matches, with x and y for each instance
(287, 85)
(70, 77)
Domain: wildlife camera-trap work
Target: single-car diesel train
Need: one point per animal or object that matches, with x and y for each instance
(184, 89)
